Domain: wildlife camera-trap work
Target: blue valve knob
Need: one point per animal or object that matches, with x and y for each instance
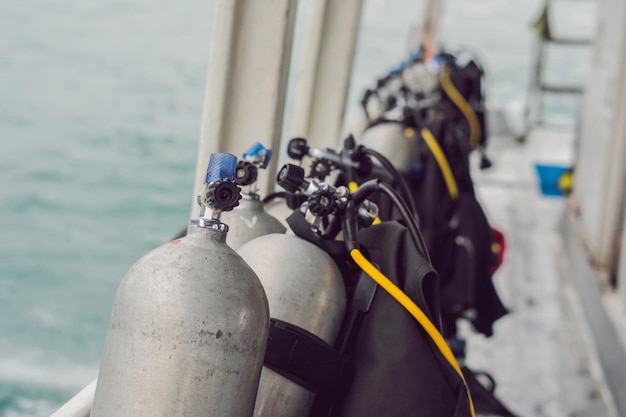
(258, 155)
(221, 166)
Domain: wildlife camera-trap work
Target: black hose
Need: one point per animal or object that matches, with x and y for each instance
(400, 182)
(274, 195)
(405, 212)
(367, 188)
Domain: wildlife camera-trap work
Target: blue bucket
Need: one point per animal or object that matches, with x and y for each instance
(549, 178)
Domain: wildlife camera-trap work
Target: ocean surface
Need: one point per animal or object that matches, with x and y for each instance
(100, 106)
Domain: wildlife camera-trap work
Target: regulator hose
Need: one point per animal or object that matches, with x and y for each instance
(401, 183)
(353, 186)
(462, 104)
(274, 195)
(442, 161)
(367, 188)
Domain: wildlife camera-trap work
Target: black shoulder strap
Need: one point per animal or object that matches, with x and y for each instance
(305, 359)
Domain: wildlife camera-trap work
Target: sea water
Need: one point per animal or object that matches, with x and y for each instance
(100, 106)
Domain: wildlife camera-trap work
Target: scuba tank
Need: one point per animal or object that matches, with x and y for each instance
(278, 209)
(305, 289)
(281, 205)
(389, 139)
(189, 325)
(385, 133)
(250, 219)
(420, 72)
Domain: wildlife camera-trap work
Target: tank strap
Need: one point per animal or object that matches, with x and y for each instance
(306, 359)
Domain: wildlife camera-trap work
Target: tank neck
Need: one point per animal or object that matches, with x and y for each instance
(248, 197)
(208, 227)
(251, 200)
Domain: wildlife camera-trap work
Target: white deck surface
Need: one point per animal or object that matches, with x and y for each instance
(540, 354)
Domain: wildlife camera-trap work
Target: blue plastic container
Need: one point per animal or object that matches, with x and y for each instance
(549, 176)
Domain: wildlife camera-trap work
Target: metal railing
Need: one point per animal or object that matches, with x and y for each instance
(80, 404)
(533, 113)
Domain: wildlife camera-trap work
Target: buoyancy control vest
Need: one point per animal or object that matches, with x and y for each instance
(398, 370)
(395, 367)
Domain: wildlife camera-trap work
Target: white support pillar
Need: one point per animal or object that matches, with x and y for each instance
(246, 81)
(600, 169)
(425, 31)
(324, 77)
(430, 24)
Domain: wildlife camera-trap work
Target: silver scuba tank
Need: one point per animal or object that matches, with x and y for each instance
(278, 209)
(305, 288)
(249, 219)
(421, 76)
(189, 325)
(391, 140)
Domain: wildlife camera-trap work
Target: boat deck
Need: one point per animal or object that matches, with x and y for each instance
(541, 354)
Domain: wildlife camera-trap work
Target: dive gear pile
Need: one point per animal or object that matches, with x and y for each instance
(350, 313)
(418, 144)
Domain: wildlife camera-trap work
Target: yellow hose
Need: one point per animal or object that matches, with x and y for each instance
(442, 161)
(352, 186)
(414, 310)
(462, 104)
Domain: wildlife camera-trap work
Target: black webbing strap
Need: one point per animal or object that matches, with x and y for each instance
(305, 359)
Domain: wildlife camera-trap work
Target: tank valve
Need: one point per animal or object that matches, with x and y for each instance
(321, 168)
(297, 148)
(323, 199)
(247, 171)
(220, 191)
(322, 202)
(291, 178)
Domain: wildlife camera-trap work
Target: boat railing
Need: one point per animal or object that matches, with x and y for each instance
(80, 404)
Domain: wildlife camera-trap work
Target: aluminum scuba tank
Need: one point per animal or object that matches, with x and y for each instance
(422, 76)
(389, 139)
(189, 324)
(280, 210)
(249, 219)
(305, 288)
(281, 205)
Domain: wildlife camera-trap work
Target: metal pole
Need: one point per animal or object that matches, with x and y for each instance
(246, 81)
(432, 11)
(425, 32)
(324, 77)
(80, 404)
